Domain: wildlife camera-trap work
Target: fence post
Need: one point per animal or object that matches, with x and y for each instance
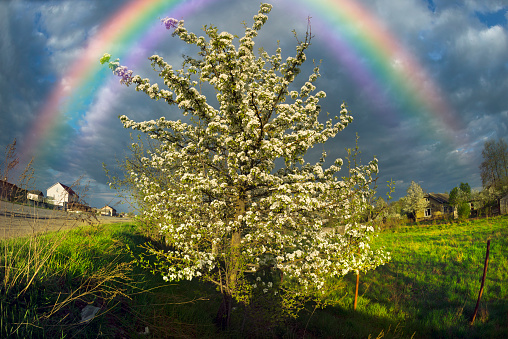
(483, 282)
(356, 292)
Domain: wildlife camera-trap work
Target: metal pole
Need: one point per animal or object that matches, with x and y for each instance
(483, 282)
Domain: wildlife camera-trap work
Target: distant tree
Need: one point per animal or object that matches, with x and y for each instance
(460, 194)
(380, 209)
(494, 168)
(484, 200)
(460, 197)
(395, 208)
(466, 189)
(464, 210)
(414, 200)
(381, 204)
(453, 197)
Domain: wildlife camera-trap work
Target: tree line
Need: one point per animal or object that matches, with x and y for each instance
(494, 175)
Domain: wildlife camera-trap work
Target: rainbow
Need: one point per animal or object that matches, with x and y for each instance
(134, 27)
(354, 33)
(391, 74)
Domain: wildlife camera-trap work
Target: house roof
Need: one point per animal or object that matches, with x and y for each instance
(68, 189)
(65, 187)
(36, 192)
(441, 198)
(4, 183)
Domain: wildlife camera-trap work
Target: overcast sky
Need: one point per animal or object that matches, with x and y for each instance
(424, 111)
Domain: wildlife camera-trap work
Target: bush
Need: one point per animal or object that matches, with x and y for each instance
(464, 210)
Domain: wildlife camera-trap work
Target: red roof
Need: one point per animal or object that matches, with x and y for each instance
(68, 189)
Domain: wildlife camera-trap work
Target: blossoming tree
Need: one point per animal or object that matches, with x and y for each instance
(414, 201)
(228, 215)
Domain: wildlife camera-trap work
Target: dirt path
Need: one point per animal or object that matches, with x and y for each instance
(19, 220)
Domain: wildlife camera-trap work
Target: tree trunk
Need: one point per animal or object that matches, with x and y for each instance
(224, 313)
(236, 239)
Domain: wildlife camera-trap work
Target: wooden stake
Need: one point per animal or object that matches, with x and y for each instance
(356, 292)
(483, 282)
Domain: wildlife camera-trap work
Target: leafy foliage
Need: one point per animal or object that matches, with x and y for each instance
(460, 197)
(464, 210)
(460, 194)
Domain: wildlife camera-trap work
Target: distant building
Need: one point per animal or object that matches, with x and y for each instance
(35, 195)
(11, 192)
(61, 195)
(78, 207)
(7, 190)
(438, 208)
(107, 210)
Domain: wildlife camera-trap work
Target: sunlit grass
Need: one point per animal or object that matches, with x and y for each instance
(90, 265)
(430, 287)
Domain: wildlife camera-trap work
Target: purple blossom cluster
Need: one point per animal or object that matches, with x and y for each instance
(124, 73)
(170, 23)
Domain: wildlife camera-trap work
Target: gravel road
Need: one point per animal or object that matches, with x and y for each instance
(19, 220)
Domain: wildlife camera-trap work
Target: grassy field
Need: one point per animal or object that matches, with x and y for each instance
(47, 280)
(429, 289)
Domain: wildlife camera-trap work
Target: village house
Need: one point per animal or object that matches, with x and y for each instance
(78, 207)
(11, 192)
(438, 208)
(107, 210)
(35, 195)
(61, 195)
(7, 190)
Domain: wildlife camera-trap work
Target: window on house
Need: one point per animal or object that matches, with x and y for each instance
(427, 212)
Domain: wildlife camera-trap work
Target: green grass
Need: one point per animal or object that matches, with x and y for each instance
(429, 289)
(48, 279)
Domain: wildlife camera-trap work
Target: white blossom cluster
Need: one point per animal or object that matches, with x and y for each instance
(224, 208)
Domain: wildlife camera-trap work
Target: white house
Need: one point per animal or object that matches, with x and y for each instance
(35, 195)
(107, 210)
(61, 195)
